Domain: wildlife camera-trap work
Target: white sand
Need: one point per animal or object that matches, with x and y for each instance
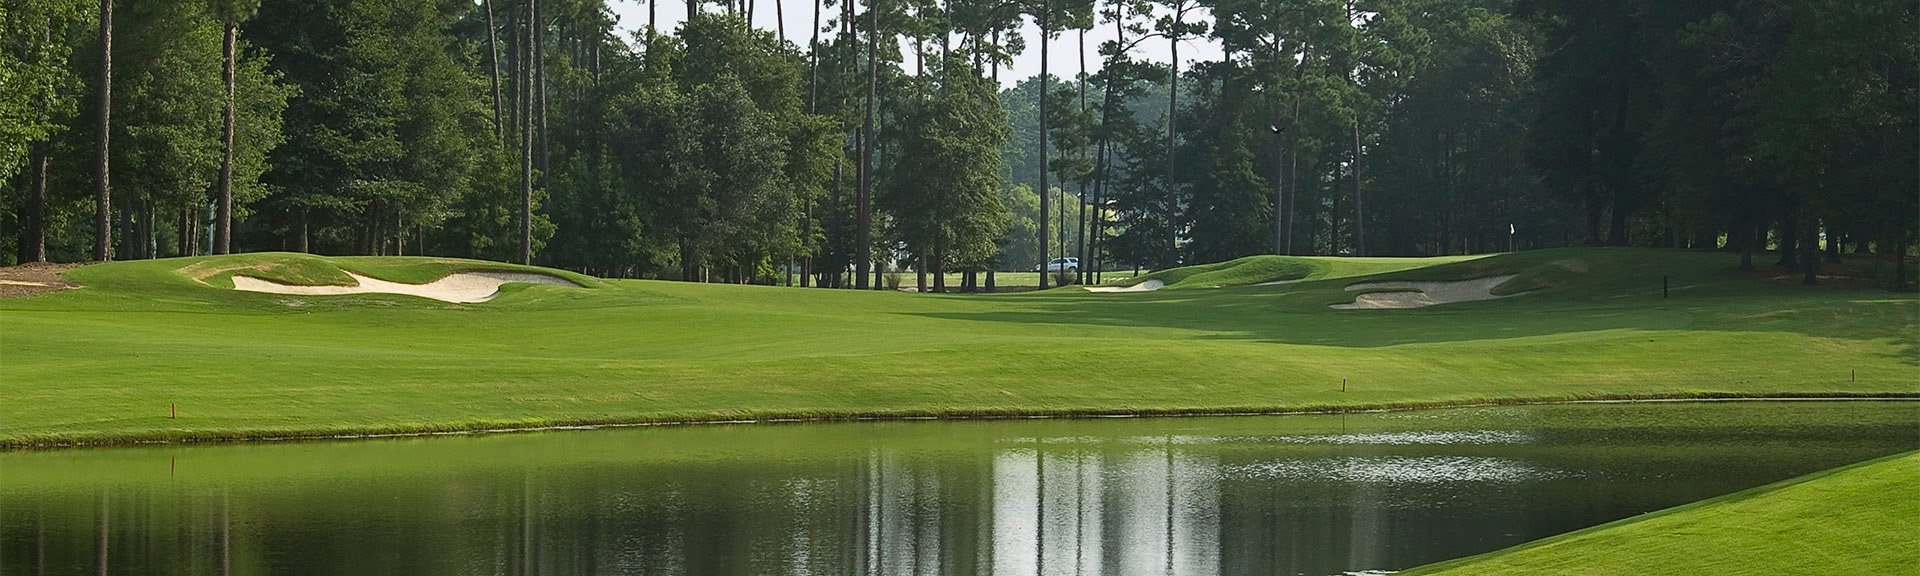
(460, 287)
(1422, 294)
(1147, 286)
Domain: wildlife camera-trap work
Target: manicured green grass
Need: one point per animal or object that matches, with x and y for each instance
(104, 362)
(1858, 519)
(1255, 270)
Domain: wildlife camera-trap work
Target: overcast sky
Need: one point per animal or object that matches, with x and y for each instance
(1064, 54)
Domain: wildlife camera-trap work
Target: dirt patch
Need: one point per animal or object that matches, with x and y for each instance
(1422, 294)
(35, 278)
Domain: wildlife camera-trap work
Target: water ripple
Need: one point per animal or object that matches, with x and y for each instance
(1396, 470)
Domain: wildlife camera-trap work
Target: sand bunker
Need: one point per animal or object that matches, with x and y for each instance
(460, 287)
(1422, 294)
(1147, 286)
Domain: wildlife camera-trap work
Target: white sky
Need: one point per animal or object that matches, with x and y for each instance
(1064, 54)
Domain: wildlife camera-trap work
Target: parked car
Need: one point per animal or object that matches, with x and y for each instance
(1068, 265)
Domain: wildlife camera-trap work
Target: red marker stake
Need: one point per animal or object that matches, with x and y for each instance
(173, 411)
(1343, 384)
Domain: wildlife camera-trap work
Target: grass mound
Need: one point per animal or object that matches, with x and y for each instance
(1268, 268)
(1857, 519)
(295, 269)
(1239, 272)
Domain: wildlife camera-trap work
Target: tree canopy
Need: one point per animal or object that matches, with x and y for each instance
(534, 129)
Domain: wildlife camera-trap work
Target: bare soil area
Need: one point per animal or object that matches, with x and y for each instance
(34, 278)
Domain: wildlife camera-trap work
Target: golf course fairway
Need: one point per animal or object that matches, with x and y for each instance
(166, 350)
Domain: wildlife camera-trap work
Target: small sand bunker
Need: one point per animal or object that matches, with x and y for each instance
(1147, 286)
(1422, 294)
(459, 287)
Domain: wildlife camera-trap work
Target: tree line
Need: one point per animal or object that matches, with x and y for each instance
(878, 137)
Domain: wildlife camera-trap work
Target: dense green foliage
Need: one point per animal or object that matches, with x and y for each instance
(1850, 520)
(534, 131)
(1593, 325)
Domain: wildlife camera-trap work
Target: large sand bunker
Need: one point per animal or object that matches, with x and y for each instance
(1422, 294)
(459, 287)
(1147, 286)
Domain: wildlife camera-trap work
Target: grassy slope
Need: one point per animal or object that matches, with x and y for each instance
(104, 362)
(1253, 270)
(309, 270)
(1853, 520)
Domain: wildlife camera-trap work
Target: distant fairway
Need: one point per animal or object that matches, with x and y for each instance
(105, 362)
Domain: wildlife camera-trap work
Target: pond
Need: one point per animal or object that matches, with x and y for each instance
(1313, 495)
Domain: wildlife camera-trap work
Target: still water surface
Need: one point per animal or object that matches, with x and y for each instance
(1312, 495)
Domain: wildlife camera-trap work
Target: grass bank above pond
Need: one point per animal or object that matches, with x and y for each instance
(104, 363)
(1858, 519)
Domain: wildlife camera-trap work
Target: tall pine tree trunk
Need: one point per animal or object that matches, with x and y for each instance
(1789, 236)
(1810, 260)
(1833, 245)
(1279, 192)
(223, 209)
(493, 65)
(103, 190)
(1081, 228)
(540, 93)
(1103, 163)
(863, 247)
(526, 137)
(813, 107)
(939, 266)
(1333, 218)
(148, 247)
(1359, 205)
(1046, 251)
(1173, 99)
(183, 240)
(33, 229)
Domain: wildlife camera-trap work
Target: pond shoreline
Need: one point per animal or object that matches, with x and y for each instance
(30, 443)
